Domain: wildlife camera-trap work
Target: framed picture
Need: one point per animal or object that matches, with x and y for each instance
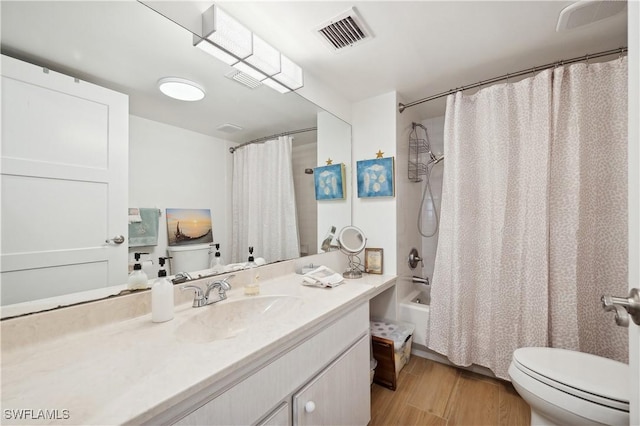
(329, 182)
(373, 260)
(189, 226)
(375, 178)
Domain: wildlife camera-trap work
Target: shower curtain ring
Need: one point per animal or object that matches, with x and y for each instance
(587, 60)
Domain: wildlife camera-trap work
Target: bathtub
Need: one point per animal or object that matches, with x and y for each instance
(415, 309)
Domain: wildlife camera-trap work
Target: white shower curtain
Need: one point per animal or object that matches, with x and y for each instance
(522, 224)
(264, 208)
(588, 207)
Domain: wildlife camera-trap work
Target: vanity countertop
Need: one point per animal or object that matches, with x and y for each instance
(133, 370)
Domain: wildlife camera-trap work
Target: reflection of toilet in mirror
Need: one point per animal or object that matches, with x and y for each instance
(189, 258)
(566, 387)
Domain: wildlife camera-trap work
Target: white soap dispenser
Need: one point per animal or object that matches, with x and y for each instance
(217, 264)
(252, 288)
(162, 295)
(137, 278)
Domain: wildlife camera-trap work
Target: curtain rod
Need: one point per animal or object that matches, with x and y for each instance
(277, 135)
(620, 51)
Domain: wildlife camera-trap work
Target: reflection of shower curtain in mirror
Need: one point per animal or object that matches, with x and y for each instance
(264, 206)
(534, 217)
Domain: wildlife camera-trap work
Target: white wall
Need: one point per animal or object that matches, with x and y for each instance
(408, 201)
(334, 136)
(374, 128)
(317, 92)
(177, 168)
(429, 245)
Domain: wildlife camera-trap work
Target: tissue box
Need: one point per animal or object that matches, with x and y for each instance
(391, 342)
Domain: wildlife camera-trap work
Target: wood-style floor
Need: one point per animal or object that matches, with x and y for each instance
(430, 393)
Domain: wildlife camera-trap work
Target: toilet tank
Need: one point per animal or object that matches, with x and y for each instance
(188, 258)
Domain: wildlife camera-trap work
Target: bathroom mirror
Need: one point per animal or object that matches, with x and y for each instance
(128, 47)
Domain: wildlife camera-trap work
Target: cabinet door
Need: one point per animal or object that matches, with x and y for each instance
(279, 417)
(340, 394)
(64, 184)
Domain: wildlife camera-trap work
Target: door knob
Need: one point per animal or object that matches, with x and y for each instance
(118, 239)
(624, 307)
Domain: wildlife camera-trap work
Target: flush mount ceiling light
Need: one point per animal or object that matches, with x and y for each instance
(585, 12)
(181, 89)
(229, 41)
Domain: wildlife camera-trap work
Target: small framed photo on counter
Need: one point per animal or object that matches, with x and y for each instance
(373, 260)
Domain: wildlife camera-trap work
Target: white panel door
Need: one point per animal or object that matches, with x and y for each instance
(64, 184)
(634, 202)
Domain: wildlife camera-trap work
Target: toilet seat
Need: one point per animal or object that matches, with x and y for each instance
(599, 380)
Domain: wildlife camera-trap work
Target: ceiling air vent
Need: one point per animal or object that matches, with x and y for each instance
(244, 79)
(344, 30)
(228, 128)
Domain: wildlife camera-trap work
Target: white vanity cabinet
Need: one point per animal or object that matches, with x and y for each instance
(329, 369)
(280, 416)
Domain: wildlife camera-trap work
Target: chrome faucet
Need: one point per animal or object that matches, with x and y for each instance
(202, 299)
(181, 277)
(199, 299)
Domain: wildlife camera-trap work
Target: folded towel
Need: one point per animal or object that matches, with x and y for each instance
(145, 232)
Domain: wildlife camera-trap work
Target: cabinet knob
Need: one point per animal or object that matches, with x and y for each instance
(310, 407)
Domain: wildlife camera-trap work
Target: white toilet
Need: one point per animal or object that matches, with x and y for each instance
(565, 387)
(189, 258)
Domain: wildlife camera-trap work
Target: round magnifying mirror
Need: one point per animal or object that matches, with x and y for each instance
(352, 241)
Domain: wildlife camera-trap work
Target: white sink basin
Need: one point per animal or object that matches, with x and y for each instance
(228, 319)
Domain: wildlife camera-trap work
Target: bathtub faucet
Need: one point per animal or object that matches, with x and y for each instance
(421, 280)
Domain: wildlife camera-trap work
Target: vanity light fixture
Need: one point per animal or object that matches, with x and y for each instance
(229, 41)
(181, 89)
(275, 85)
(290, 73)
(264, 57)
(224, 37)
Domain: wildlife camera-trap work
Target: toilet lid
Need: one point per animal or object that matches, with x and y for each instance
(600, 380)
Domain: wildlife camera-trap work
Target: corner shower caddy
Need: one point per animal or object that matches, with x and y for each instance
(417, 146)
